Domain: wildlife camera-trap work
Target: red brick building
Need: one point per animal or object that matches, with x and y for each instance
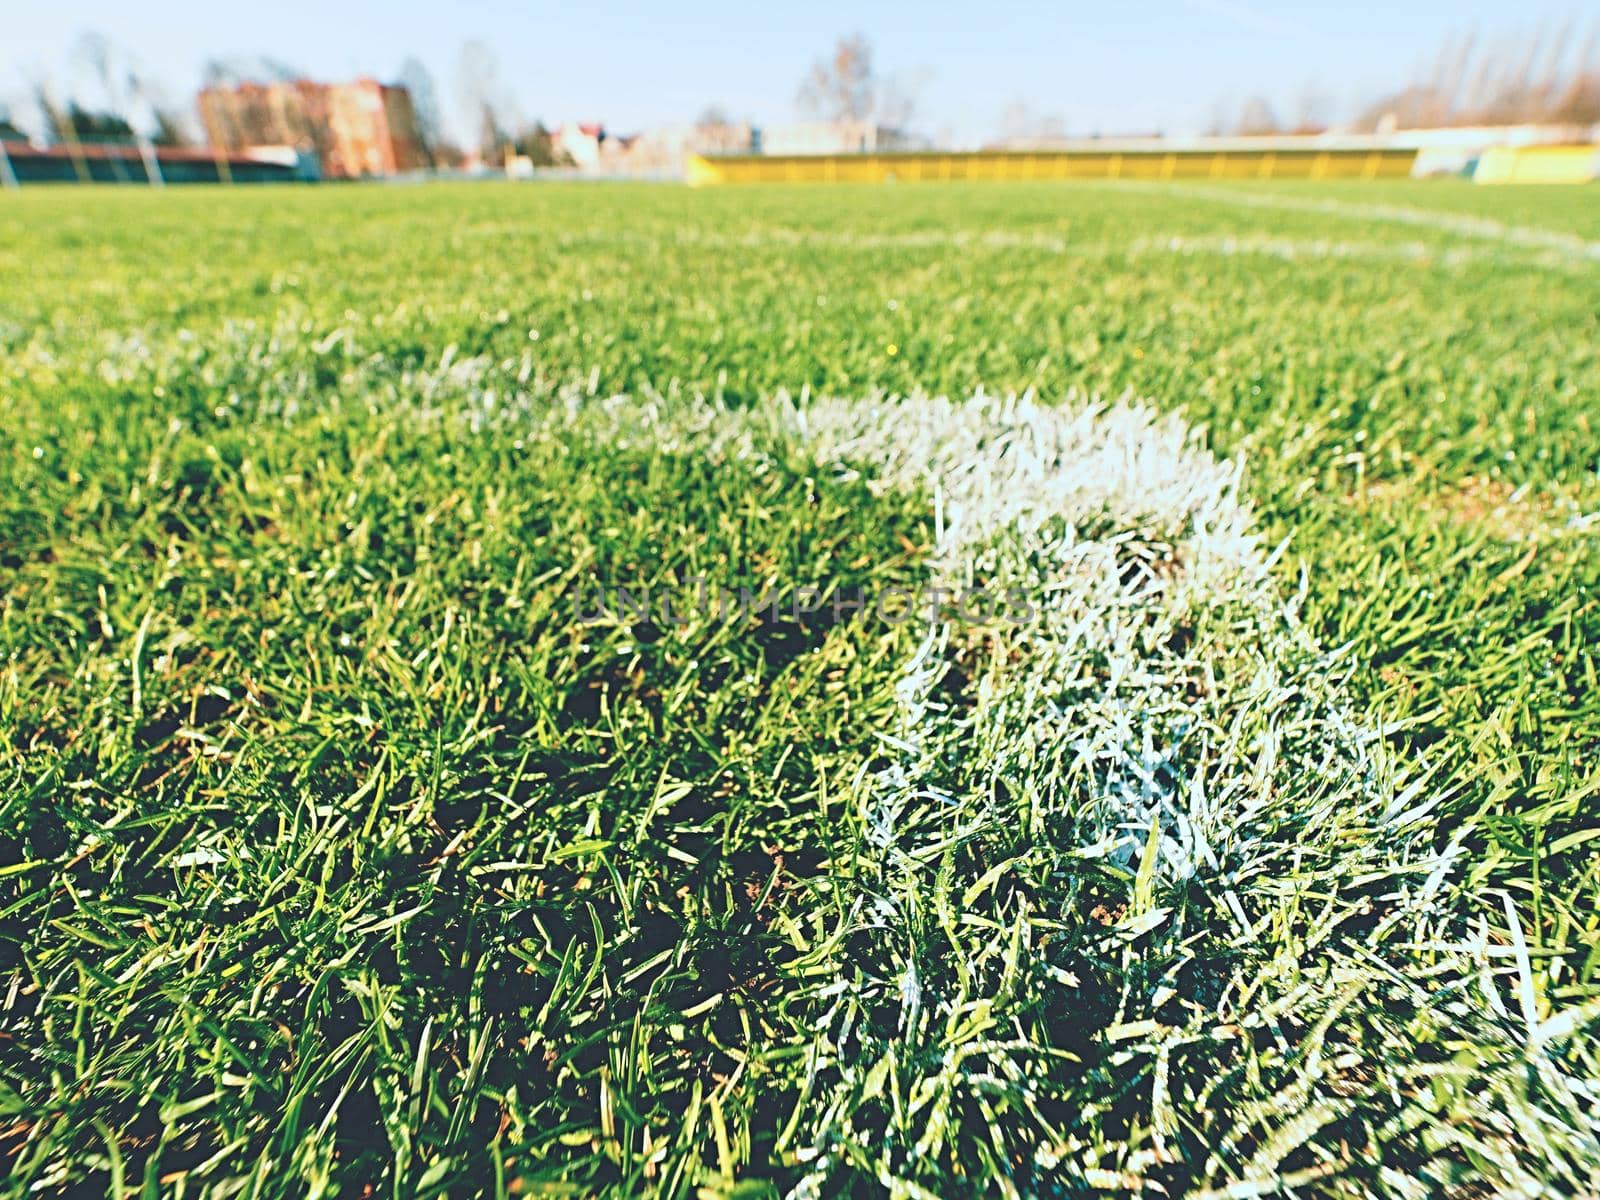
(359, 129)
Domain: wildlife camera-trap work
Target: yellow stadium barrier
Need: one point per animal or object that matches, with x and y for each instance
(919, 167)
(1538, 164)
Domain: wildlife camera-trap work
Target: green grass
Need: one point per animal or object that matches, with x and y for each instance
(339, 856)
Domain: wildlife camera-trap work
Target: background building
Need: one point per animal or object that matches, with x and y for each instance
(581, 143)
(834, 137)
(664, 150)
(358, 129)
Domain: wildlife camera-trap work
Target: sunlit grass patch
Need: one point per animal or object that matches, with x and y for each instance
(344, 849)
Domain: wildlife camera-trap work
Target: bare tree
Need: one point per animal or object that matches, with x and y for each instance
(1454, 77)
(1311, 110)
(249, 68)
(1546, 82)
(1577, 98)
(170, 128)
(104, 62)
(842, 86)
(896, 102)
(60, 128)
(1257, 117)
(485, 100)
(713, 116)
(716, 131)
(95, 51)
(418, 82)
(1546, 76)
(538, 147)
(21, 113)
(1021, 125)
(1220, 121)
(845, 88)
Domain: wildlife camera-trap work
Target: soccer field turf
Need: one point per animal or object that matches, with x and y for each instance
(359, 835)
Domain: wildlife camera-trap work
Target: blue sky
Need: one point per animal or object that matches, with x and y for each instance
(1138, 66)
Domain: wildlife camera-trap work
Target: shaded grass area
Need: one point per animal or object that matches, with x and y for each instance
(333, 840)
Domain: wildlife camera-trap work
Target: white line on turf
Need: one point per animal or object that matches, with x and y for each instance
(1167, 716)
(1460, 224)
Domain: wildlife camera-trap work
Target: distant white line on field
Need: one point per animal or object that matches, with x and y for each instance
(1483, 228)
(1056, 244)
(1422, 254)
(771, 235)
